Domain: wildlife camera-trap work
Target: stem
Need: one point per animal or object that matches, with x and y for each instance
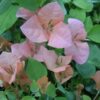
(96, 95)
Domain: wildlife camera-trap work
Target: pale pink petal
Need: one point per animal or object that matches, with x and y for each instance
(40, 53)
(5, 56)
(72, 50)
(24, 13)
(22, 49)
(60, 36)
(79, 51)
(83, 53)
(33, 30)
(77, 29)
(52, 12)
(49, 57)
(59, 69)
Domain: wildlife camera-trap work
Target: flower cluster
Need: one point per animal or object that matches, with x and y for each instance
(43, 28)
(46, 25)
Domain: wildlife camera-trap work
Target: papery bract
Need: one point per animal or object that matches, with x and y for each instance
(43, 83)
(33, 30)
(64, 76)
(51, 14)
(23, 49)
(10, 66)
(79, 49)
(47, 25)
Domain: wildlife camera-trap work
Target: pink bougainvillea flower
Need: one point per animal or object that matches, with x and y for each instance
(79, 49)
(53, 62)
(10, 66)
(22, 50)
(47, 25)
(57, 64)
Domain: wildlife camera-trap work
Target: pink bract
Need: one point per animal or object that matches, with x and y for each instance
(79, 49)
(22, 50)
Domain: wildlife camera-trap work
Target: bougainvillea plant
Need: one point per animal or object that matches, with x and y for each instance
(49, 50)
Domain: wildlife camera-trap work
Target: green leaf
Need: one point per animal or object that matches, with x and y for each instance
(11, 95)
(86, 70)
(84, 4)
(62, 6)
(96, 17)
(88, 24)
(78, 14)
(7, 35)
(61, 88)
(28, 98)
(68, 94)
(34, 87)
(96, 1)
(90, 87)
(35, 70)
(66, 1)
(31, 4)
(85, 97)
(60, 98)
(94, 34)
(59, 51)
(16, 36)
(38, 94)
(94, 56)
(4, 5)
(2, 96)
(51, 90)
(8, 18)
